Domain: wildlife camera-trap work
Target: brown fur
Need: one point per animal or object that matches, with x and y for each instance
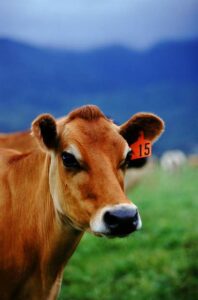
(36, 238)
(21, 141)
(88, 113)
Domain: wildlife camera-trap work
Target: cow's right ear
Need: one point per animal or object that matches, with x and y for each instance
(45, 131)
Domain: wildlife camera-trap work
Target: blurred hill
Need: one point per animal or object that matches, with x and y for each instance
(120, 80)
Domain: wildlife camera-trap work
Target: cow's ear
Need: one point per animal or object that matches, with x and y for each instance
(151, 126)
(45, 130)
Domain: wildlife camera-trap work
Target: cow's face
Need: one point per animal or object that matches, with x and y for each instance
(89, 156)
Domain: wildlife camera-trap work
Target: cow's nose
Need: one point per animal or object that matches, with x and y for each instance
(121, 222)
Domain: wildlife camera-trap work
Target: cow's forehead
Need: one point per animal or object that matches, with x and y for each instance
(100, 134)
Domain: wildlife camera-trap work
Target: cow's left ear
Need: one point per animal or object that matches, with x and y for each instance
(151, 126)
(45, 131)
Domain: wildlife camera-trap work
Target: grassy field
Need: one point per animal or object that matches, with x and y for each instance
(158, 262)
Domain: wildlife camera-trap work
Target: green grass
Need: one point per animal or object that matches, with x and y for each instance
(158, 262)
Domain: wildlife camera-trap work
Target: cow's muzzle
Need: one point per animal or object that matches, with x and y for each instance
(117, 221)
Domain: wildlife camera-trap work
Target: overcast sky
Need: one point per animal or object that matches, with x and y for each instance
(90, 23)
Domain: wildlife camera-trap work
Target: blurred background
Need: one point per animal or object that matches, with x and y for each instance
(124, 56)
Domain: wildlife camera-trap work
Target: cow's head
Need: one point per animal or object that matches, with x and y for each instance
(89, 156)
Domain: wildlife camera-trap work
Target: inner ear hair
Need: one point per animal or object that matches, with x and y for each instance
(44, 128)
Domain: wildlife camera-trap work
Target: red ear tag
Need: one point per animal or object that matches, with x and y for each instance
(141, 148)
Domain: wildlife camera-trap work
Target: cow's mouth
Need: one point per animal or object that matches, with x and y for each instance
(115, 234)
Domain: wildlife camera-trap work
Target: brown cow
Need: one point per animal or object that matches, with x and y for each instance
(70, 184)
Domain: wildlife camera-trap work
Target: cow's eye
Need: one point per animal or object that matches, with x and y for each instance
(124, 164)
(70, 161)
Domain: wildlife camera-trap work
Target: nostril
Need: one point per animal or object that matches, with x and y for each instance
(135, 219)
(111, 219)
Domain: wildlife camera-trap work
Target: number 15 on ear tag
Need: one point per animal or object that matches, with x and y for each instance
(141, 148)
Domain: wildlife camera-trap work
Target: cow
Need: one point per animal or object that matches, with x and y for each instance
(71, 183)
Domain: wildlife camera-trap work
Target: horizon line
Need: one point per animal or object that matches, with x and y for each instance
(98, 47)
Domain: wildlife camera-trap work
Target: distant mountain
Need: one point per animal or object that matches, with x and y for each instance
(104, 69)
(120, 80)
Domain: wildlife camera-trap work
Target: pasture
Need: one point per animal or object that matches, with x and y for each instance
(158, 262)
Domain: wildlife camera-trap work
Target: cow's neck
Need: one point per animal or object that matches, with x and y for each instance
(57, 240)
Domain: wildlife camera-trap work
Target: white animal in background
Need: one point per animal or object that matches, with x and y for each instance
(173, 160)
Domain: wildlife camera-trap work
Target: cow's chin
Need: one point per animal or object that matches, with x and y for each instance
(110, 235)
